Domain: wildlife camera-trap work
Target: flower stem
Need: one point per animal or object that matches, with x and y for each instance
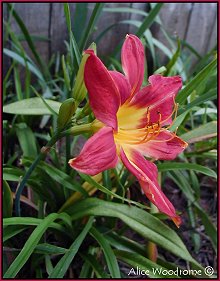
(76, 130)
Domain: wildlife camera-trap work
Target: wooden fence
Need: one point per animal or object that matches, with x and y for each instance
(195, 23)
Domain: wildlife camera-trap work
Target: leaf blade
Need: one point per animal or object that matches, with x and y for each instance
(32, 106)
(63, 264)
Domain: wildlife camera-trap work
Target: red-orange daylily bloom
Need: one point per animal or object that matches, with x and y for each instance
(131, 122)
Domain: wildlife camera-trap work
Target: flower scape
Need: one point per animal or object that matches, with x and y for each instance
(132, 123)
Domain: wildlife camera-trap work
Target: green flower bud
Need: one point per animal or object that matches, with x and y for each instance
(79, 90)
(66, 111)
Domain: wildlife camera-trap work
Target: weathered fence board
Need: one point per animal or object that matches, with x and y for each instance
(175, 19)
(137, 17)
(113, 37)
(58, 29)
(202, 18)
(36, 17)
(213, 38)
(194, 22)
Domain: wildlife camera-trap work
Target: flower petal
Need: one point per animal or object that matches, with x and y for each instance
(131, 117)
(98, 154)
(147, 174)
(159, 97)
(166, 146)
(132, 57)
(103, 93)
(123, 85)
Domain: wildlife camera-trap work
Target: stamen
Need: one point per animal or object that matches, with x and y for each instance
(154, 135)
(150, 131)
(155, 129)
(175, 109)
(148, 115)
(160, 116)
(145, 137)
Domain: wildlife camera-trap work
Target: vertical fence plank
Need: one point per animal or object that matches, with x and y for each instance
(36, 17)
(58, 29)
(213, 38)
(174, 18)
(112, 37)
(200, 27)
(137, 17)
(194, 22)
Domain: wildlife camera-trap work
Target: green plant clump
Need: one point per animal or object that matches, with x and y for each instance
(60, 223)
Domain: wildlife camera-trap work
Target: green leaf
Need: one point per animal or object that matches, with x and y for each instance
(86, 271)
(167, 166)
(48, 249)
(203, 132)
(28, 39)
(125, 10)
(108, 253)
(32, 106)
(26, 139)
(212, 154)
(135, 260)
(18, 84)
(123, 243)
(97, 267)
(67, 15)
(139, 220)
(184, 185)
(102, 188)
(7, 200)
(174, 59)
(210, 229)
(160, 70)
(210, 95)
(64, 263)
(92, 21)
(74, 50)
(44, 102)
(148, 21)
(30, 245)
(200, 79)
(79, 19)
(6, 81)
(65, 73)
(11, 231)
(19, 221)
(15, 174)
(33, 68)
(59, 176)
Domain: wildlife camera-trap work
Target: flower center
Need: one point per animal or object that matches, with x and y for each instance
(135, 126)
(133, 129)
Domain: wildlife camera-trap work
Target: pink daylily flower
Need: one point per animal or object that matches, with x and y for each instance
(131, 123)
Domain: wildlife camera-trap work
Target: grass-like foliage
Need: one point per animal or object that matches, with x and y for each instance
(59, 223)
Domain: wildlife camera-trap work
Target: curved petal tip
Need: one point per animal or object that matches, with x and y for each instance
(177, 220)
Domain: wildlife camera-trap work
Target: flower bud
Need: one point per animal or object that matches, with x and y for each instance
(66, 111)
(79, 90)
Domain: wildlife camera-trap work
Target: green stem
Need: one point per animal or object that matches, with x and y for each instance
(72, 131)
(67, 168)
(76, 130)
